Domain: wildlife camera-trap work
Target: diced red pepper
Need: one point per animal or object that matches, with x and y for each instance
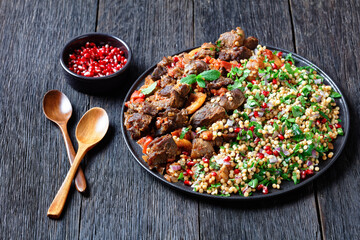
(148, 140)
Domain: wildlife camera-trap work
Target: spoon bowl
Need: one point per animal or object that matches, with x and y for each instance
(92, 126)
(57, 106)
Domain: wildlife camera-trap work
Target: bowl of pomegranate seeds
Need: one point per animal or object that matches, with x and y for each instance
(95, 63)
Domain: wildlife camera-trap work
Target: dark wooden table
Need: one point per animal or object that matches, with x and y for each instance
(124, 202)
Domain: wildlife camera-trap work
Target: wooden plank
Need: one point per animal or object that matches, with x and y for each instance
(270, 22)
(332, 44)
(33, 160)
(125, 202)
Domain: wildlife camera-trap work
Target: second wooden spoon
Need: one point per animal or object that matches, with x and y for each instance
(57, 108)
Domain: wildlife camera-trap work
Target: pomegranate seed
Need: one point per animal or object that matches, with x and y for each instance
(276, 118)
(264, 105)
(303, 174)
(259, 187)
(318, 122)
(227, 159)
(274, 81)
(281, 137)
(323, 120)
(331, 126)
(205, 160)
(253, 82)
(189, 172)
(274, 66)
(190, 164)
(279, 54)
(237, 130)
(214, 174)
(266, 148)
(265, 190)
(185, 173)
(256, 114)
(269, 152)
(265, 93)
(236, 171)
(257, 140)
(252, 128)
(187, 182)
(276, 153)
(176, 59)
(290, 62)
(299, 94)
(260, 155)
(309, 172)
(338, 125)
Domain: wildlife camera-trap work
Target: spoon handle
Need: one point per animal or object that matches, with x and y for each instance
(80, 181)
(58, 203)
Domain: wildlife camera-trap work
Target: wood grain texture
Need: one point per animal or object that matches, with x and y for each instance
(125, 201)
(333, 44)
(270, 22)
(33, 160)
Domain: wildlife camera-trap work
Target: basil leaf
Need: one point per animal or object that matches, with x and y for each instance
(214, 166)
(253, 183)
(297, 111)
(289, 58)
(190, 79)
(215, 185)
(302, 100)
(183, 132)
(276, 126)
(306, 89)
(334, 94)
(210, 75)
(288, 68)
(149, 89)
(201, 82)
(324, 115)
(252, 103)
(340, 131)
(294, 178)
(181, 176)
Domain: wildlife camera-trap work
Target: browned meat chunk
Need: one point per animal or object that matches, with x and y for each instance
(236, 53)
(149, 108)
(137, 124)
(207, 49)
(201, 148)
(166, 91)
(229, 136)
(251, 42)
(161, 151)
(178, 94)
(170, 120)
(161, 68)
(167, 80)
(196, 67)
(232, 38)
(232, 102)
(207, 115)
(219, 83)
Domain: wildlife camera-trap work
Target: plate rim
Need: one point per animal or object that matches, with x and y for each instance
(238, 198)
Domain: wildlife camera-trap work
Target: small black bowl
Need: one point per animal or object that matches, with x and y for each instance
(95, 85)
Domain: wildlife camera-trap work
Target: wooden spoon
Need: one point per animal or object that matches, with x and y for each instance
(57, 108)
(91, 128)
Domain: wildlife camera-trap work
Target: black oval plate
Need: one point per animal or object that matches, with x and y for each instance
(286, 186)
